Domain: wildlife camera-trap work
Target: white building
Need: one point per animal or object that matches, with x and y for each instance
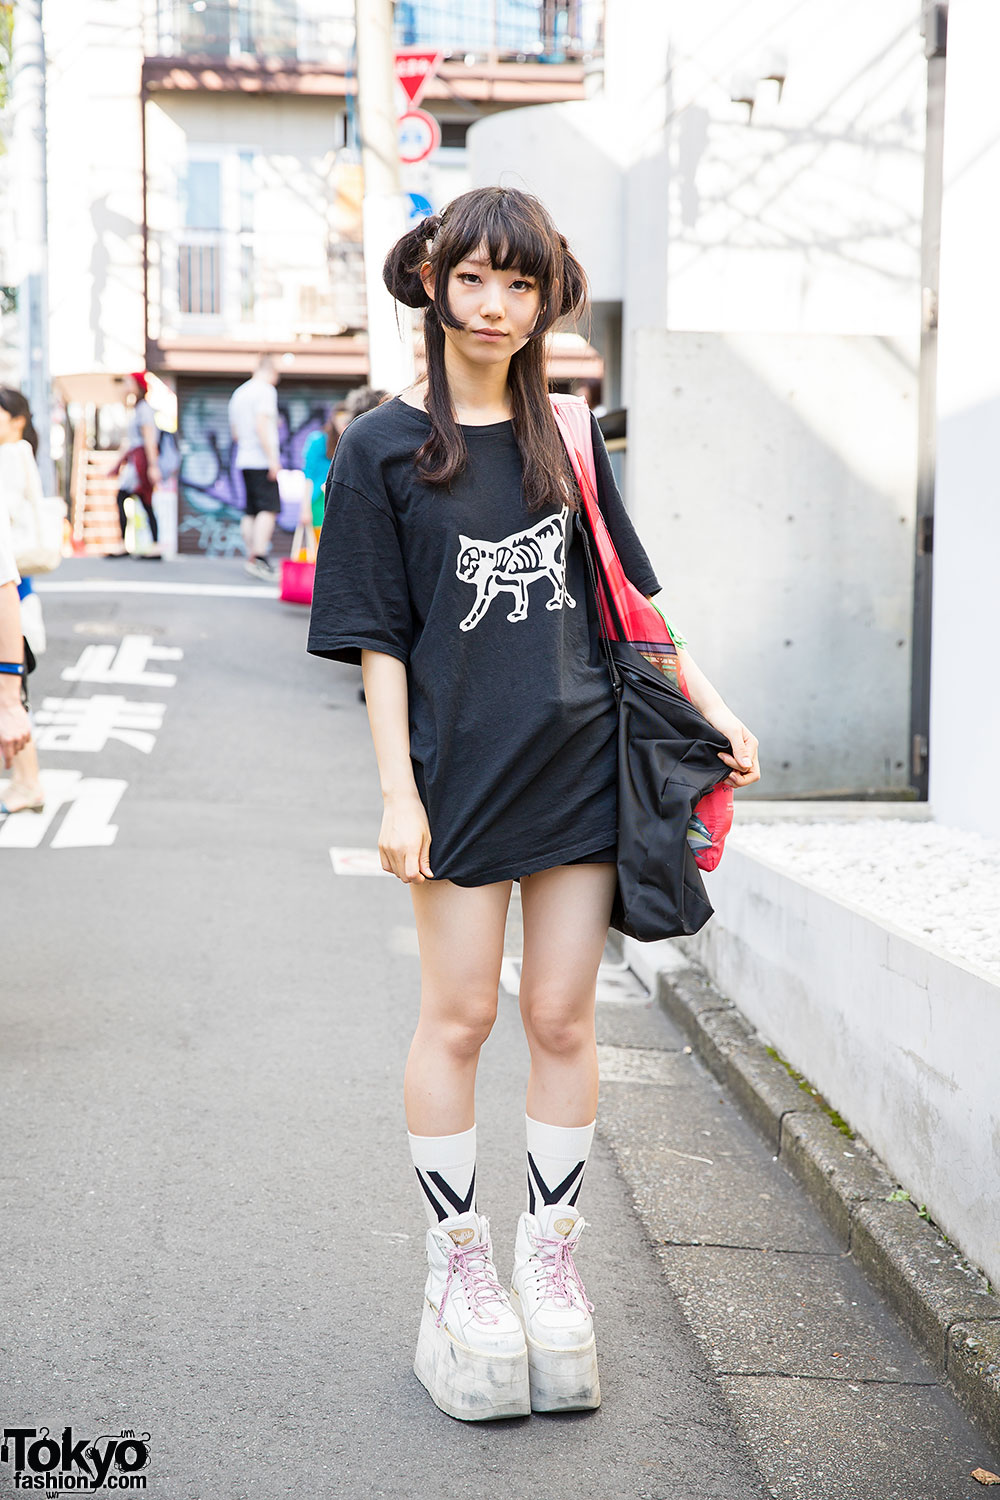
(746, 191)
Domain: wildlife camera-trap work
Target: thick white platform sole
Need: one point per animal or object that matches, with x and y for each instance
(560, 1379)
(466, 1383)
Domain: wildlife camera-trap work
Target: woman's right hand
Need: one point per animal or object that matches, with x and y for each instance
(404, 840)
(15, 729)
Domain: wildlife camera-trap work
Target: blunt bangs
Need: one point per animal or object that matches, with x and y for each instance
(516, 236)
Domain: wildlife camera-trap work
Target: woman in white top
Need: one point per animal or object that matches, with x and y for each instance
(15, 730)
(19, 482)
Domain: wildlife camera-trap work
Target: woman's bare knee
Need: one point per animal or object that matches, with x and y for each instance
(458, 1030)
(558, 1027)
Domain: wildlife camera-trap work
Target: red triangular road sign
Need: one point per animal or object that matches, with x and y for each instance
(414, 70)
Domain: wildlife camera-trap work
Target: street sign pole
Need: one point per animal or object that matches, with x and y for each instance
(384, 209)
(30, 177)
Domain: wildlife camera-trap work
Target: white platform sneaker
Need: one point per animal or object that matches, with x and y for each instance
(471, 1353)
(551, 1302)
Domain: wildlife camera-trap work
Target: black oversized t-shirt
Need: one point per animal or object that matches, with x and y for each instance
(512, 716)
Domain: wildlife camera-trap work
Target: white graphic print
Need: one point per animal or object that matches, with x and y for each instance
(539, 552)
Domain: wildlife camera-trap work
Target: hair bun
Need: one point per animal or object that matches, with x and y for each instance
(401, 270)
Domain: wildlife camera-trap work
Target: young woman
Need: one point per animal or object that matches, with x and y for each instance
(447, 566)
(137, 462)
(20, 481)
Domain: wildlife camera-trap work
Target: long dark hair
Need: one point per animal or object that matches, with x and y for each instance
(518, 233)
(15, 405)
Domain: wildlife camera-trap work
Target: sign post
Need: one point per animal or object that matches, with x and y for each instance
(419, 135)
(414, 68)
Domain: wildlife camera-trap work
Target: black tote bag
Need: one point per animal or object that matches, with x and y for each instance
(668, 758)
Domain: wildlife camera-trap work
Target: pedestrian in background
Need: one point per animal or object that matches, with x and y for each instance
(20, 484)
(448, 565)
(322, 445)
(253, 423)
(137, 463)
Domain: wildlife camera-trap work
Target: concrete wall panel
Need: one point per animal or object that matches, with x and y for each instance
(772, 479)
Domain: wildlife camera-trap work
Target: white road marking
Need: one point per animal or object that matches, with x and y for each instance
(510, 975)
(357, 862)
(86, 724)
(125, 665)
(87, 824)
(200, 590)
(91, 801)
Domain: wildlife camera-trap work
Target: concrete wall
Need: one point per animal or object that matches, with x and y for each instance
(965, 704)
(881, 1024)
(95, 185)
(772, 479)
(805, 218)
(768, 270)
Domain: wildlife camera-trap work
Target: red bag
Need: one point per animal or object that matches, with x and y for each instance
(628, 615)
(299, 570)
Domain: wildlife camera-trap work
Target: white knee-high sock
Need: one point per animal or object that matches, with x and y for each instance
(557, 1155)
(446, 1170)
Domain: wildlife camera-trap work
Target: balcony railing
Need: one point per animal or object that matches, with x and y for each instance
(233, 30)
(245, 287)
(313, 31)
(503, 30)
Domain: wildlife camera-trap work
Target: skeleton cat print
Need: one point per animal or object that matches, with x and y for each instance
(511, 564)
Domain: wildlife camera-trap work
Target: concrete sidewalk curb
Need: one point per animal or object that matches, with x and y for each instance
(942, 1300)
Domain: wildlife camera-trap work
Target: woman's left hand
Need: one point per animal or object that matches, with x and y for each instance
(744, 760)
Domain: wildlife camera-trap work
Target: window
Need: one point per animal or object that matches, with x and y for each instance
(454, 132)
(203, 195)
(199, 288)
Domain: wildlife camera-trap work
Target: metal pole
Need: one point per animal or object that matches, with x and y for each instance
(31, 218)
(390, 344)
(935, 29)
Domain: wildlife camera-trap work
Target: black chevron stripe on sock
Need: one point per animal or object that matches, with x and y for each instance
(556, 1194)
(458, 1205)
(438, 1208)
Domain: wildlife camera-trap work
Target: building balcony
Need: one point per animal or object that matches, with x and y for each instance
(322, 31)
(211, 289)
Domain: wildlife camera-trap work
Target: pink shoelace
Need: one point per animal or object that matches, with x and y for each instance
(559, 1268)
(479, 1282)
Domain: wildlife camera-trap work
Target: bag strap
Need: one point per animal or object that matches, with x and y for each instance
(304, 540)
(616, 676)
(572, 431)
(572, 415)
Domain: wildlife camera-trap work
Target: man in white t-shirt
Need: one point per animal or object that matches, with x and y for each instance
(253, 422)
(15, 727)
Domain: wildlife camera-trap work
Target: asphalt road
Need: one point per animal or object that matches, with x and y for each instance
(210, 1231)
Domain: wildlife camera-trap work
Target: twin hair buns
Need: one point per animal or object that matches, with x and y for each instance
(401, 271)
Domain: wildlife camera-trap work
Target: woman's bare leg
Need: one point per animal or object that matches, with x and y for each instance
(565, 912)
(25, 787)
(460, 931)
